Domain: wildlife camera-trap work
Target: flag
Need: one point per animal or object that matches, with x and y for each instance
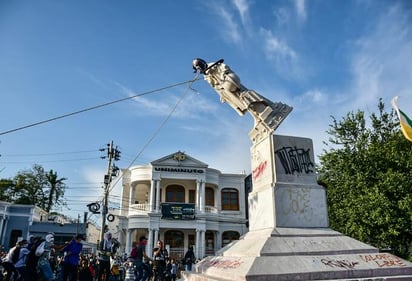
(406, 122)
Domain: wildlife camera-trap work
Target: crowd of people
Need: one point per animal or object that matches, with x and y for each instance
(39, 259)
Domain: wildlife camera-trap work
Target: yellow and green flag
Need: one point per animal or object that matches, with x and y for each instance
(406, 122)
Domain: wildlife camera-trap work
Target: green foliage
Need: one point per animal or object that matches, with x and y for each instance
(367, 175)
(34, 187)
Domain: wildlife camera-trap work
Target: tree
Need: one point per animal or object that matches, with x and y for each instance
(56, 190)
(37, 187)
(6, 188)
(367, 176)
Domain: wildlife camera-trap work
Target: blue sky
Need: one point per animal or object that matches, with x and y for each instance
(57, 57)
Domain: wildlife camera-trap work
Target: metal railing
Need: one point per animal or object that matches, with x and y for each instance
(140, 209)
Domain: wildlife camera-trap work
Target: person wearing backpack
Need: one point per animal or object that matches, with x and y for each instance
(20, 264)
(138, 253)
(32, 259)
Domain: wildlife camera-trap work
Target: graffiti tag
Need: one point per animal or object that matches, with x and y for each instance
(297, 201)
(295, 160)
(383, 260)
(259, 170)
(339, 263)
(225, 263)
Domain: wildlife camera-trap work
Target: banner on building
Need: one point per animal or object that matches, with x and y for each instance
(178, 211)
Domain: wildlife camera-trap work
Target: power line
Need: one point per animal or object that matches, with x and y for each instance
(49, 161)
(94, 107)
(48, 154)
(155, 133)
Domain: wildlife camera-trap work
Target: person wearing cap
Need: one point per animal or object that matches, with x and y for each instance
(72, 258)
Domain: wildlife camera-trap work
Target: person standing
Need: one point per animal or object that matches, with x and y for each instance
(21, 261)
(106, 252)
(174, 269)
(8, 263)
(160, 255)
(72, 258)
(138, 254)
(43, 252)
(189, 259)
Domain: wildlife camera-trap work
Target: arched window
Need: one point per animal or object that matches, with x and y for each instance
(210, 196)
(229, 236)
(175, 193)
(230, 199)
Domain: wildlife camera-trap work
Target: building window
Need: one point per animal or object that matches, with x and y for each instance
(210, 243)
(174, 238)
(14, 236)
(229, 236)
(175, 193)
(230, 199)
(192, 196)
(210, 196)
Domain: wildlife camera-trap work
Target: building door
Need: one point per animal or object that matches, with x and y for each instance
(175, 240)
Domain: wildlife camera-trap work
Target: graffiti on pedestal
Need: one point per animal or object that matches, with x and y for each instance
(224, 263)
(339, 263)
(383, 260)
(296, 201)
(295, 160)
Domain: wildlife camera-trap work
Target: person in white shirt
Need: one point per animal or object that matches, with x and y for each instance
(20, 265)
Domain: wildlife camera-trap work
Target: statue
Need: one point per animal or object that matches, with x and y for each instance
(267, 115)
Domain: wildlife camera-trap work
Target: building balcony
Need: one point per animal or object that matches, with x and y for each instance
(144, 209)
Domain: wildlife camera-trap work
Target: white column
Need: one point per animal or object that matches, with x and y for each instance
(203, 243)
(218, 241)
(156, 237)
(131, 195)
(218, 200)
(152, 195)
(128, 246)
(158, 196)
(198, 182)
(198, 244)
(202, 196)
(149, 245)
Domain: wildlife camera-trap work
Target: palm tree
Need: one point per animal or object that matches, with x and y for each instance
(56, 189)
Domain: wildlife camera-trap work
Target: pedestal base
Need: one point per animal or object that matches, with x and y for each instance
(299, 254)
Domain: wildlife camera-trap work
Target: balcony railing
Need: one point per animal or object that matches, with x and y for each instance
(141, 209)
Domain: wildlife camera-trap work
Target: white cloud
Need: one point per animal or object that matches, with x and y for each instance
(381, 59)
(243, 7)
(300, 10)
(314, 96)
(226, 23)
(284, 58)
(187, 105)
(282, 16)
(275, 48)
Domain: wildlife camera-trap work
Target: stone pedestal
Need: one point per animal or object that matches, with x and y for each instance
(288, 236)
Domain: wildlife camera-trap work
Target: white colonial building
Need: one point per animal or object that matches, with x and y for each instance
(180, 200)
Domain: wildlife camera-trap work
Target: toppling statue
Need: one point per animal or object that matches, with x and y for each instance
(266, 114)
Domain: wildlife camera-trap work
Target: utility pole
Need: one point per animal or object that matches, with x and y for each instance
(113, 154)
